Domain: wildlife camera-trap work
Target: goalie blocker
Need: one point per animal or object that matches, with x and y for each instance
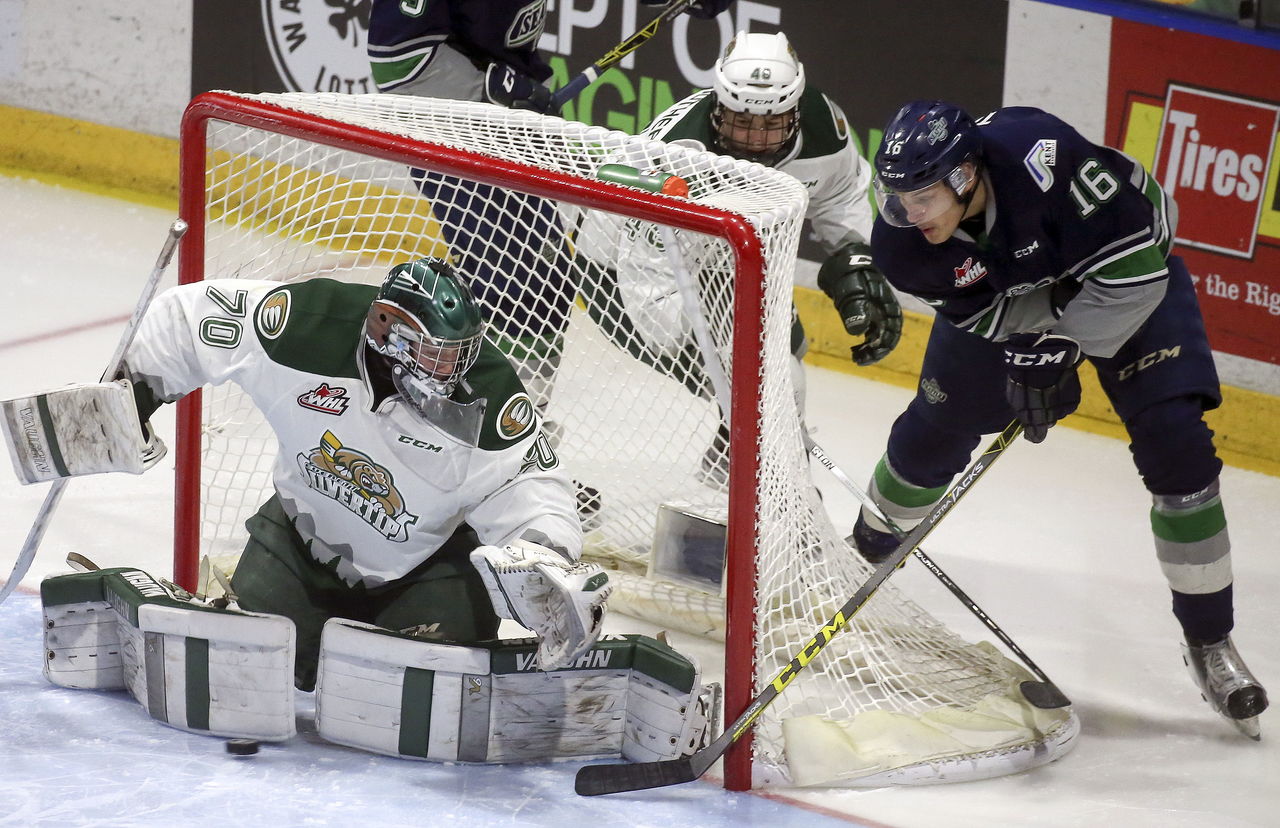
(629, 696)
(77, 430)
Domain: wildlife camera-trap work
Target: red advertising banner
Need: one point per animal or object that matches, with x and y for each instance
(1203, 115)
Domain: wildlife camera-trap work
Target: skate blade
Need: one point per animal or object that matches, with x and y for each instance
(1249, 727)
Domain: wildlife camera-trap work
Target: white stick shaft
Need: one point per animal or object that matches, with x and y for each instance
(56, 489)
(701, 330)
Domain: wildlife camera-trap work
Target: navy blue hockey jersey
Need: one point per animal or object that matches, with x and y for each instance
(1074, 240)
(403, 34)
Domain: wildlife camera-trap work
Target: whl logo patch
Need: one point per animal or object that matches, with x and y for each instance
(1212, 158)
(969, 272)
(328, 399)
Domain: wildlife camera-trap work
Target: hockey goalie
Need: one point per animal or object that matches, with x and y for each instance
(416, 503)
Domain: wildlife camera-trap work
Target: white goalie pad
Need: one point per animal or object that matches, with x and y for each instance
(191, 666)
(395, 694)
(77, 430)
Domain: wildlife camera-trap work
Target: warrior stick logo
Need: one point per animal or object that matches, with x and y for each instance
(366, 489)
(319, 45)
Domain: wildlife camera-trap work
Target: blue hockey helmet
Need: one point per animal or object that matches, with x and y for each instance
(927, 142)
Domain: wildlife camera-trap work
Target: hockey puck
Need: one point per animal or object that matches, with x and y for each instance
(242, 747)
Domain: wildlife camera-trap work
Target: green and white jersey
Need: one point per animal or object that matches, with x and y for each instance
(370, 483)
(823, 159)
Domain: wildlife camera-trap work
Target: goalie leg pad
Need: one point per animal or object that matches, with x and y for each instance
(197, 668)
(81, 429)
(400, 695)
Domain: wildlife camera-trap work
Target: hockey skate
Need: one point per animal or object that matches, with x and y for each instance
(1226, 684)
(873, 544)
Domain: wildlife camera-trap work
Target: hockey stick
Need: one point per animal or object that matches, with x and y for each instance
(589, 75)
(54, 495)
(1043, 693)
(593, 780)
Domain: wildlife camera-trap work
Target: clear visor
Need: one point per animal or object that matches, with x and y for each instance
(754, 136)
(461, 421)
(915, 207)
(440, 362)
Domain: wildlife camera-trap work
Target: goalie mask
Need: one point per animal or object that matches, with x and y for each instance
(758, 85)
(426, 325)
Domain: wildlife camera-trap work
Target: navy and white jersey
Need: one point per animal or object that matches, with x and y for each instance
(409, 39)
(406, 36)
(1074, 239)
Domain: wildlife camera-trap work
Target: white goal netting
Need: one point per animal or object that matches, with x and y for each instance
(619, 309)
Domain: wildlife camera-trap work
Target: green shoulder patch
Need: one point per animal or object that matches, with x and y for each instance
(825, 128)
(314, 326)
(509, 411)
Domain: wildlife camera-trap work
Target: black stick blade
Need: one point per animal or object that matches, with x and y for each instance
(593, 780)
(1044, 695)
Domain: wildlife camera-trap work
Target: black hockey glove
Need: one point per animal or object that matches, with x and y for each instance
(1042, 386)
(864, 300)
(505, 86)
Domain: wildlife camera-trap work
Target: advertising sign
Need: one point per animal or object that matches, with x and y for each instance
(1203, 114)
(320, 46)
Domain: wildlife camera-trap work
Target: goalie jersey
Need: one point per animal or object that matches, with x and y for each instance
(823, 159)
(1074, 238)
(373, 487)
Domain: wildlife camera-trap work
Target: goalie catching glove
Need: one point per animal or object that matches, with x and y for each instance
(1042, 386)
(864, 300)
(81, 429)
(562, 601)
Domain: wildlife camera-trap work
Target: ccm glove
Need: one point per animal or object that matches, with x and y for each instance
(864, 300)
(1042, 385)
(504, 86)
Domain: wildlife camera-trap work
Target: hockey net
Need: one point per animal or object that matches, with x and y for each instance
(576, 278)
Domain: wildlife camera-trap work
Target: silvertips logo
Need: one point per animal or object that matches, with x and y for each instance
(365, 488)
(319, 45)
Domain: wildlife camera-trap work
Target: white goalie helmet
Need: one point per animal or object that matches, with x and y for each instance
(758, 85)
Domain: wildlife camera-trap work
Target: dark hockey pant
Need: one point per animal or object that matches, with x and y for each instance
(1160, 383)
(277, 574)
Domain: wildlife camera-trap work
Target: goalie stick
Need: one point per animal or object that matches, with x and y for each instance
(589, 75)
(1043, 693)
(56, 489)
(593, 780)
